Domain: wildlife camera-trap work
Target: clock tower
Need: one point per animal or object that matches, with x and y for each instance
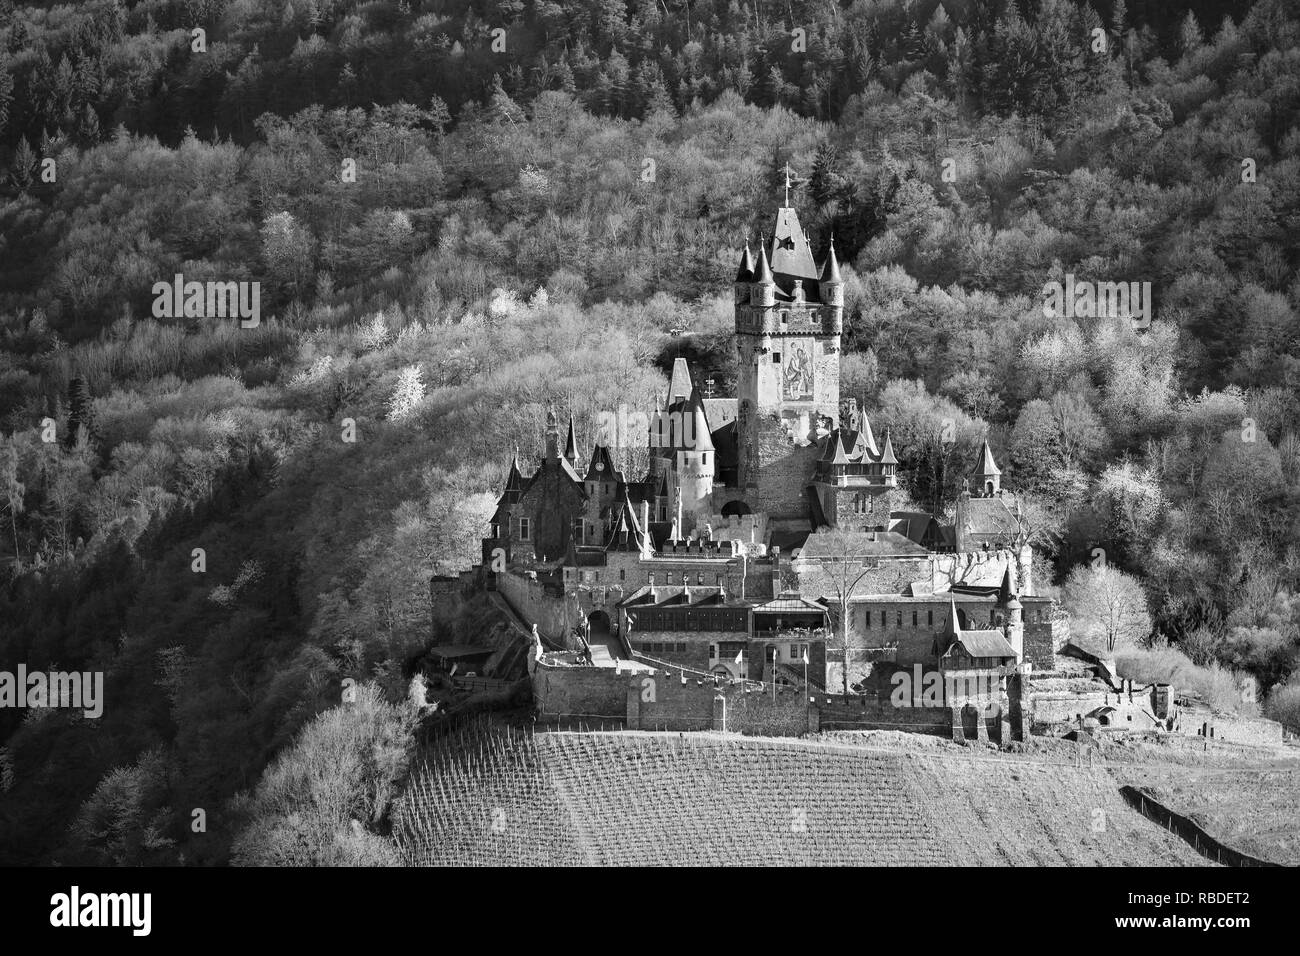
(789, 319)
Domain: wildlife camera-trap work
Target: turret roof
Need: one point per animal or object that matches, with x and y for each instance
(791, 255)
(986, 465)
(746, 271)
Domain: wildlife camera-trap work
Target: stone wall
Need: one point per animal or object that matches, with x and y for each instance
(785, 470)
(890, 576)
(878, 713)
(1254, 731)
(978, 568)
(591, 692)
(661, 700)
(696, 652)
(531, 602)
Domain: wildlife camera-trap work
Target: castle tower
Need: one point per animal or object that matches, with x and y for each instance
(684, 432)
(1011, 613)
(788, 341)
(987, 476)
(696, 465)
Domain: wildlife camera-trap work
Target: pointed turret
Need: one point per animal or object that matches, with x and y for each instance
(695, 425)
(887, 453)
(987, 474)
(514, 480)
(763, 291)
(831, 270)
(868, 436)
(680, 385)
(571, 445)
(745, 274)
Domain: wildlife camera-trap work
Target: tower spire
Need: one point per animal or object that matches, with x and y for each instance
(787, 184)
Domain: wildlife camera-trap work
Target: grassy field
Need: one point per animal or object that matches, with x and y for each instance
(493, 797)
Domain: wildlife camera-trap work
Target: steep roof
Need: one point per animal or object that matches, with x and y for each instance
(571, 444)
(746, 271)
(680, 385)
(791, 255)
(831, 270)
(514, 480)
(887, 454)
(986, 465)
(983, 644)
(763, 274)
(988, 521)
(601, 467)
(627, 533)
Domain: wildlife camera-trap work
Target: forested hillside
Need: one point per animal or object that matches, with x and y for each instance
(533, 212)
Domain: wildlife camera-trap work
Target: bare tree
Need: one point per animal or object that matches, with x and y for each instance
(1110, 605)
(845, 561)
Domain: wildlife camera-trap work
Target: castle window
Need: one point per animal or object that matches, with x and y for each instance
(776, 358)
(914, 618)
(719, 581)
(704, 458)
(650, 579)
(882, 618)
(931, 617)
(898, 618)
(785, 316)
(699, 577)
(524, 530)
(622, 574)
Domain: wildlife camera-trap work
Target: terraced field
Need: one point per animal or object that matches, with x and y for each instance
(703, 799)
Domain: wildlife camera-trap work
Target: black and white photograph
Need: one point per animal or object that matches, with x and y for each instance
(651, 434)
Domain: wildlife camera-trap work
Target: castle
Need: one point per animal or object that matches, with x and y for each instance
(761, 517)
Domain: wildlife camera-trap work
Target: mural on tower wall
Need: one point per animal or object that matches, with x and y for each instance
(797, 374)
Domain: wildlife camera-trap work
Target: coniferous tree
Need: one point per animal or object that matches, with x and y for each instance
(81, 413)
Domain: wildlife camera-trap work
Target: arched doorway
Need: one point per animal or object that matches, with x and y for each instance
(597, 624)
(735, 508)
(605, 647)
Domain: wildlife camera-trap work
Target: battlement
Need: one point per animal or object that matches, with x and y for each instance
(789, 318)
(699, 548)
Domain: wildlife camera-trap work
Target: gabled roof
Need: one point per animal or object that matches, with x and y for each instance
(982, 644)
(601, 467)
(989, 521)
(627, 534)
